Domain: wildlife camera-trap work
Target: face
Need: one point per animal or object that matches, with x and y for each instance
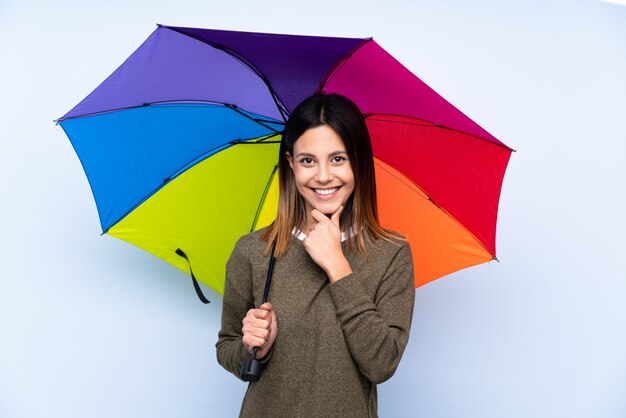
(322, 170)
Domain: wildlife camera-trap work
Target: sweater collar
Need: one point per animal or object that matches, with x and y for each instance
(301, 235)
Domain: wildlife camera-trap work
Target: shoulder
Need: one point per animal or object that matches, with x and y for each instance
(394, 246)
(251, 240)
(387, 255)
(248, 248)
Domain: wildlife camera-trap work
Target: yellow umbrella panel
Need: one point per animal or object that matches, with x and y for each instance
(205, 210)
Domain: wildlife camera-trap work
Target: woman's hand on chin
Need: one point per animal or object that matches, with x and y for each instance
(323, 243)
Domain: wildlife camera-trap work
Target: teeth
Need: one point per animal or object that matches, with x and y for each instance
(326, 191)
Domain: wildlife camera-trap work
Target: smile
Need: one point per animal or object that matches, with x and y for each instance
(326, 192)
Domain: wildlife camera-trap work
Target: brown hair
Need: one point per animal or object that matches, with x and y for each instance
(360, 211)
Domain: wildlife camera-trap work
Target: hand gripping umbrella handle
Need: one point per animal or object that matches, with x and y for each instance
(251, 369)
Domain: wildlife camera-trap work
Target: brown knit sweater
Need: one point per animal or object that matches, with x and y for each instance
(334, 342)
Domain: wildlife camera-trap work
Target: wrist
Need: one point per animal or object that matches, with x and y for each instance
(339, 270)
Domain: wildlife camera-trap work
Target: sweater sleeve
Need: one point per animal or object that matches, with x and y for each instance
(238, 299)
(377, 331)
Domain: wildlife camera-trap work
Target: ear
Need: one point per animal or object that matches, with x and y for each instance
(290, 159)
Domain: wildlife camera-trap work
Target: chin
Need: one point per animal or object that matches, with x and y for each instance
(328, 212)
(328, 209)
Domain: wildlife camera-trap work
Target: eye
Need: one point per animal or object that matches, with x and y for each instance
(306, 160)
(338, 159)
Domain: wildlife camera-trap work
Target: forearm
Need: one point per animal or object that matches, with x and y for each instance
(376, 334)
(236, 302)
(231, 353)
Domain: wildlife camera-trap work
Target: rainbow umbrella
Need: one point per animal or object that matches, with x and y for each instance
(180, 146)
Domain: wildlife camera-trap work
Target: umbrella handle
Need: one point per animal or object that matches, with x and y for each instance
(251, 369)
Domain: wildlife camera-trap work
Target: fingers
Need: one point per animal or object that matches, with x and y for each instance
(254, 337)
(257, 326)
(337, 215)
(334, 218)
(252, 342)
(319, 216)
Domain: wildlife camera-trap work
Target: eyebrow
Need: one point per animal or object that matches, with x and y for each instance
(332, 154)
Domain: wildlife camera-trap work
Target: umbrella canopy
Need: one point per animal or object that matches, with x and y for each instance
(180, 146)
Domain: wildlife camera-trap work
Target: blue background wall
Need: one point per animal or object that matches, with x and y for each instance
(93, 327)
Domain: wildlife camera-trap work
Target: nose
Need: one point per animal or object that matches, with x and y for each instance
(324, 173)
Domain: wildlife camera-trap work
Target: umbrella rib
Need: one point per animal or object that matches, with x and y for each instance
(171, 177)
(340, 63)
(267, 188)
(101, 112)
(236, 109)
(409, 183)
(373, 117)
(165, 102)
(263, 140)
(279, 105)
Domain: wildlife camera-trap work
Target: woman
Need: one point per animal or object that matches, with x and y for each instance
(342, 291)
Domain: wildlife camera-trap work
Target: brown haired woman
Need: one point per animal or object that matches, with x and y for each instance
(342, 291)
